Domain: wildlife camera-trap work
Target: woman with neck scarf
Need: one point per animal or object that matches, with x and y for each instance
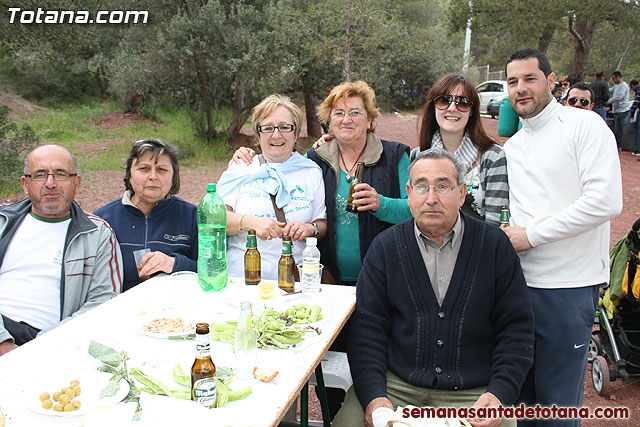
(451, 120)
(294, 181)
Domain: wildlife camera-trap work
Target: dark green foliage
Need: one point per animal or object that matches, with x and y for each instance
(15, 142)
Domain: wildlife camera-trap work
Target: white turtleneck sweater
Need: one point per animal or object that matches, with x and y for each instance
(564, 188)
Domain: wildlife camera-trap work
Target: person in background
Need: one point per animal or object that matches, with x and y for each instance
(564, 188)
(600, 94)
(634, 115)
(149, 215)
(443, 317)
(295, 182)
(580, 96)
(557, 93)
(56, 261)
(451, 120)
(564, 85)
(619, 105)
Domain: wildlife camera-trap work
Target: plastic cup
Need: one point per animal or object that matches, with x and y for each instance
(137, 255)
(184, 285)
(310, 277)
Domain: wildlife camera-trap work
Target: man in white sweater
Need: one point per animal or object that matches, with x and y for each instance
(564, 188)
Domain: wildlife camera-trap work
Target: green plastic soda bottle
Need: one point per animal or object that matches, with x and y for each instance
(212, 241)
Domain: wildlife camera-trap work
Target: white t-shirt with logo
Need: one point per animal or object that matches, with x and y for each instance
(30, 272)
(307, 204)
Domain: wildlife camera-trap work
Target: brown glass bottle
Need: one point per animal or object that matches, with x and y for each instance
(357, 179)
(252, 269)
(286, 266)
(504, 217)
(203, 371)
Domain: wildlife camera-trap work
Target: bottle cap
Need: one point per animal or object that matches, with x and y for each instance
(211, 187)
(312, 241)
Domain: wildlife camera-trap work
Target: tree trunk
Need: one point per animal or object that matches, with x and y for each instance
(310, 100)
(206, 102)
(624, 55)
(347, 56)
(583, 34)
(102, 81)
(545, 38)
(239, 107)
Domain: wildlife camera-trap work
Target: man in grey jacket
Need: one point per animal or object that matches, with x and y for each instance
(620, 105)
(56, 261)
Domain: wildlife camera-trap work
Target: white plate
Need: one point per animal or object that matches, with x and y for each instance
(91, 384)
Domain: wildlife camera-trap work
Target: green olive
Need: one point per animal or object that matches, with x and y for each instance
(56, 396)
(64, 389)
(76, 382)
(64, 399)
(71, 393)
(68, 407)
(47, 404)
(44, 396)
(77, 390)
(58, 407)
(76, 404)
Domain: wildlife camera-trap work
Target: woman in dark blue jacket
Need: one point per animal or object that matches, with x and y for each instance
(150, 216)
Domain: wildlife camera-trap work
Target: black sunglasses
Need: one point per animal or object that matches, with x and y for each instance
(583, 101)
(463, 104)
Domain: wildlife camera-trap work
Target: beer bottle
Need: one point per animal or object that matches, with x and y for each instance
(203, 371)
(504, 217)
(286, 266)
(252, 260)
(357, 179)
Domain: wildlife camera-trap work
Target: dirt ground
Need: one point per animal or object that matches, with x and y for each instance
(99, 187)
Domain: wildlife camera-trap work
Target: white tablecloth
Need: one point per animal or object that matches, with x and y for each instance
(61, 355)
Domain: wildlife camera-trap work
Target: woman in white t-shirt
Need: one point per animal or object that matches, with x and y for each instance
(296, 183)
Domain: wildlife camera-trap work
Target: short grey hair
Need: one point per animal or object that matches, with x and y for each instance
(73, 157)
(439, 154)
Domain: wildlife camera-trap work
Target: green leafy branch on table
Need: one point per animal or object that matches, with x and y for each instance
(115, 363)
(275, 329)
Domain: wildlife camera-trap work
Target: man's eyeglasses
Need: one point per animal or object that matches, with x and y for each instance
(57, 176)
(463, 104)
(440, 189)
(271, 129)
(354, 113)
(564, 84)
(583, 101)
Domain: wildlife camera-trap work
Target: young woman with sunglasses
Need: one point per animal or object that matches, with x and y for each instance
(451, 120)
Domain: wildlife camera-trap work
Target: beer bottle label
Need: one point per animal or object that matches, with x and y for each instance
(204, 391)
(203, 346)
(504, 216)
(286, 248)
(252, 241)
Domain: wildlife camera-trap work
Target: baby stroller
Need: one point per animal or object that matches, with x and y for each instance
(617, 342)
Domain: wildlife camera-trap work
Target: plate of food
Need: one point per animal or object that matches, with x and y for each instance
(166, 327)
(72, 395)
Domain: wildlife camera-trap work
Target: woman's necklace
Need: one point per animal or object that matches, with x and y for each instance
(349, 175)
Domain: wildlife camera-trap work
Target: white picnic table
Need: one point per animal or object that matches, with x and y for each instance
(53, 359)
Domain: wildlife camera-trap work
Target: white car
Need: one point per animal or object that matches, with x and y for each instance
(490, 90)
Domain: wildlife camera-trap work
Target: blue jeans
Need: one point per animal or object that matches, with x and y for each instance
(620, 121)
(602, 111)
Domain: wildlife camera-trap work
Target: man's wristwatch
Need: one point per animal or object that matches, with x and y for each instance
(315, 229)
